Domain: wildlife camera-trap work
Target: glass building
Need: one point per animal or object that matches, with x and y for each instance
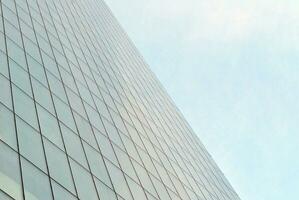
(83, 117)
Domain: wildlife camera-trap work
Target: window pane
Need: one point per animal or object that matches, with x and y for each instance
(136, 190)
(4, 196)
(36, 183)
(64, 113)
(3, 60)
(60, 193)
(2, 43)
(84, 183)
(161, 189)
(76, 102)
(31, 144)
(125, 163)
(24, 107)
(94, 118)
(42, 95)
(49, 126)
(144, 179)
(20, 77)
(130, 147)
(58, 166)
(56, 87)
(113, 133)
(36, 70)
(73, 146)
(97, 164)
(10, 179)
(106, 148)
(5, 94)
(85, 130)
(31, 48)
(7, 127)
(119, 181)
(50, 63)
(16, 53)
(104, 191)
(102, 108)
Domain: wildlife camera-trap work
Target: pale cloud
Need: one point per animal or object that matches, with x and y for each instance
(193, 20)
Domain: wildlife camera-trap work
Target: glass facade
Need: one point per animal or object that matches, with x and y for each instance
(83, 117)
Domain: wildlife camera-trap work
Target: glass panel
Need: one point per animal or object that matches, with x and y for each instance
(3, 60)
(31, 48)
(56, 87)
(42, 95)
(136, 190)
(64, 113)
(4, 196)
(104, 191)
(74, 146)
(10, 178)
(12, 32)
(145, 179)
(7, 127)
(20, 77)
(2, 46)
(36, 183)
(16, 53)
(30, 144)
(36, 70)
(119, 181)
(125, 163)
(49, 126)
(94, 118)
(84, 183)
(102, 108)
(50, 63)
(113, 133)
(5, 94)
(24, 107)
(97, 164)
(85, 130)
(58, 166)
(76, 102)
(161, 189)
(106, 148)
(130, 147)
(60, 193)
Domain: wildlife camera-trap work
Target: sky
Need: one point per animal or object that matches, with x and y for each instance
(232, 68)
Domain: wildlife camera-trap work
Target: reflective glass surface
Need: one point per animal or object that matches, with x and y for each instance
(83, 117)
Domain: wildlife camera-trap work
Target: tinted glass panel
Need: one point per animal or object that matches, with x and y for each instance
(10, 178)
(58, 166)
(85, 187)
(36, 183)
(30, 144)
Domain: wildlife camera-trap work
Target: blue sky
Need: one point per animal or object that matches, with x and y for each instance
(236, 69)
